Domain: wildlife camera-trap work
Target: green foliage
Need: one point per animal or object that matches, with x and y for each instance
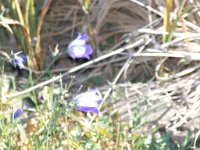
(53, 122)
(56, 124)
(20, 18)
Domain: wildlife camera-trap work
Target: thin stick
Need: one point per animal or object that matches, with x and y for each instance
(179, 54)
(189, 24)
(174, 54)
(73, 70)
(111, 88)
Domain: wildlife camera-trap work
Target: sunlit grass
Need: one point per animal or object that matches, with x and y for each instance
(21, 19)
(52, 121)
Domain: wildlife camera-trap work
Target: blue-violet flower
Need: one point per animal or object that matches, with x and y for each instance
(18, 113)
(79, 48)
(88, 102)
(18, 60)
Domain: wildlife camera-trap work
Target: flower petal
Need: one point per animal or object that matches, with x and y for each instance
(80, 40)
(88, 109)
(88, 102)
(21, 65)
(23, 58)
(18, 60)
(89, 50)
(77, 51)
(88, 97)
(82, 102)
(79, 48)
(82, 37)
(18, 113)
(14, 63)
(77, 42)
(87, 57)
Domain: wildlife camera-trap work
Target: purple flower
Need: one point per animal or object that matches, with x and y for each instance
(88, 102)
(79, 48)
(18, 113)
(18, 60)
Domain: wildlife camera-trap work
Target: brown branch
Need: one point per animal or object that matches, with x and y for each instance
(39, 27)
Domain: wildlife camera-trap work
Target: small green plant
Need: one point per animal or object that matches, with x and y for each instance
(60, 118)
(21, 19)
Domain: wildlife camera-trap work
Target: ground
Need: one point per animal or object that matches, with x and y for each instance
(145, 66)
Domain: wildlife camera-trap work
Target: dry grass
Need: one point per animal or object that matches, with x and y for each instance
(115, 23)
(173, 105)
(172, 100)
